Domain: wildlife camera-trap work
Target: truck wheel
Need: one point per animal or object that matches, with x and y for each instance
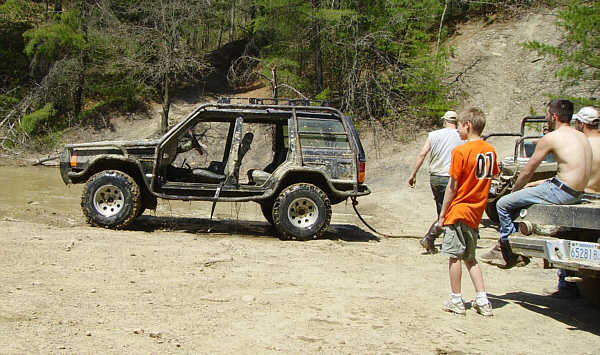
(267, 210)
(301, 212)
(111, 199)
(491, 212)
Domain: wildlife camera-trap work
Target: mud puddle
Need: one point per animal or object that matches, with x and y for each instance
(38, 194)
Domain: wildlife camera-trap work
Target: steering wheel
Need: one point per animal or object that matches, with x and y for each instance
(199, 148)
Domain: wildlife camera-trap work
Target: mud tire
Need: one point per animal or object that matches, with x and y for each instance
(121, 210)
(311, 202)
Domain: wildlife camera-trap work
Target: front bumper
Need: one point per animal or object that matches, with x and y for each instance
(65, 167)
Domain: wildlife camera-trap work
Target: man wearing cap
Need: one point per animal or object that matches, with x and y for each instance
(439, 144)
(573, 155)
(586, 121)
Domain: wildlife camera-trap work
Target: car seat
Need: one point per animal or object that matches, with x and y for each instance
(259, 177)
(237, 153)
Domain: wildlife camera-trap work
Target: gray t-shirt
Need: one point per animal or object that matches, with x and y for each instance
(442, 142)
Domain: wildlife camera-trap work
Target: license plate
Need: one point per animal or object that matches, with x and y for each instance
(585, 251)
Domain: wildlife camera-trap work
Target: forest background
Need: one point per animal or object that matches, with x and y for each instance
(71, 63)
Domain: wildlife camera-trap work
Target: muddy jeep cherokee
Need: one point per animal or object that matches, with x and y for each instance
(292, 158)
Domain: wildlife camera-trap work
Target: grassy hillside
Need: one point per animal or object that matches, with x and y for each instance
(389, 64)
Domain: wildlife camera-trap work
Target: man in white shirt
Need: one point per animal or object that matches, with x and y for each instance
(439, 145)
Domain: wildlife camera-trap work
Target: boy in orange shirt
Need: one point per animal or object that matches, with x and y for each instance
(472, 168)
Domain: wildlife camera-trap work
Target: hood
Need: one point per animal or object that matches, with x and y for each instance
(124, 144)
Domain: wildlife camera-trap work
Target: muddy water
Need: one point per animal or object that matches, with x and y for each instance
(38, 194)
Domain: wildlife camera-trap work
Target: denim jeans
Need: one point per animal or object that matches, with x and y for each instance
(508, 206)
(438, 187)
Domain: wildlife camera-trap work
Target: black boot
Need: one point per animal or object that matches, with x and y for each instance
(509, 257)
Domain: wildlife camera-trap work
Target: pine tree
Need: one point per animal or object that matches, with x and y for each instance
(579, 56)
(155, 41)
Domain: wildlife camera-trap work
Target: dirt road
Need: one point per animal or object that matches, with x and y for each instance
(167, 286)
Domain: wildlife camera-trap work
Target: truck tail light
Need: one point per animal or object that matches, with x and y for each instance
(74, 159)
(361, 172)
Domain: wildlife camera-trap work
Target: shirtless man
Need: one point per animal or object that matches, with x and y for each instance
(573, 155)
(586, 121)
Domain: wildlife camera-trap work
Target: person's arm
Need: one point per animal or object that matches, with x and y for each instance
(448, 197)
(542, 148)
(535, 183)
(420, 158)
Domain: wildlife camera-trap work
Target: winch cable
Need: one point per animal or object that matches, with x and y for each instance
(355, 202)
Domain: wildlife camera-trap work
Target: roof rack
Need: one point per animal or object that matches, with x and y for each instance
(271, 101)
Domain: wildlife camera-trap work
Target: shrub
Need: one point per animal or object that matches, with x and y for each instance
(33, 122)
(579, 55)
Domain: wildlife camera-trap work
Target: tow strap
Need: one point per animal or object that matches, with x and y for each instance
(355, 203)
(212, 210)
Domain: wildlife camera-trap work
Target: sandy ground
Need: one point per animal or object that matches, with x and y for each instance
(165, 285)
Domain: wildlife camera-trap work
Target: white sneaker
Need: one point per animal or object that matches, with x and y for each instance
(457, 308)
(485, 310)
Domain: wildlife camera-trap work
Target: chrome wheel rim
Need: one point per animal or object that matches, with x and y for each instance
(303, 213)
(108, 200)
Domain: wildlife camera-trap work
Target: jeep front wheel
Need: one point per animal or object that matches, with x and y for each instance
(301, 212)
(111, 199)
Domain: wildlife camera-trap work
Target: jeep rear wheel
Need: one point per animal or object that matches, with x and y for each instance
(301, 212)
(111, 199)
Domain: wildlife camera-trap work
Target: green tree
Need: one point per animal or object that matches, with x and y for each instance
(73, 63)
(154, 39)
(16, 17)
(282, 28)
(376, 58)
(289, 37)
(53, 42)
(579, 55)
(383, 52)
(61, 56)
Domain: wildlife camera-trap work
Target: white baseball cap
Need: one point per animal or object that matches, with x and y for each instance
(450, 116)
(587, 115)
